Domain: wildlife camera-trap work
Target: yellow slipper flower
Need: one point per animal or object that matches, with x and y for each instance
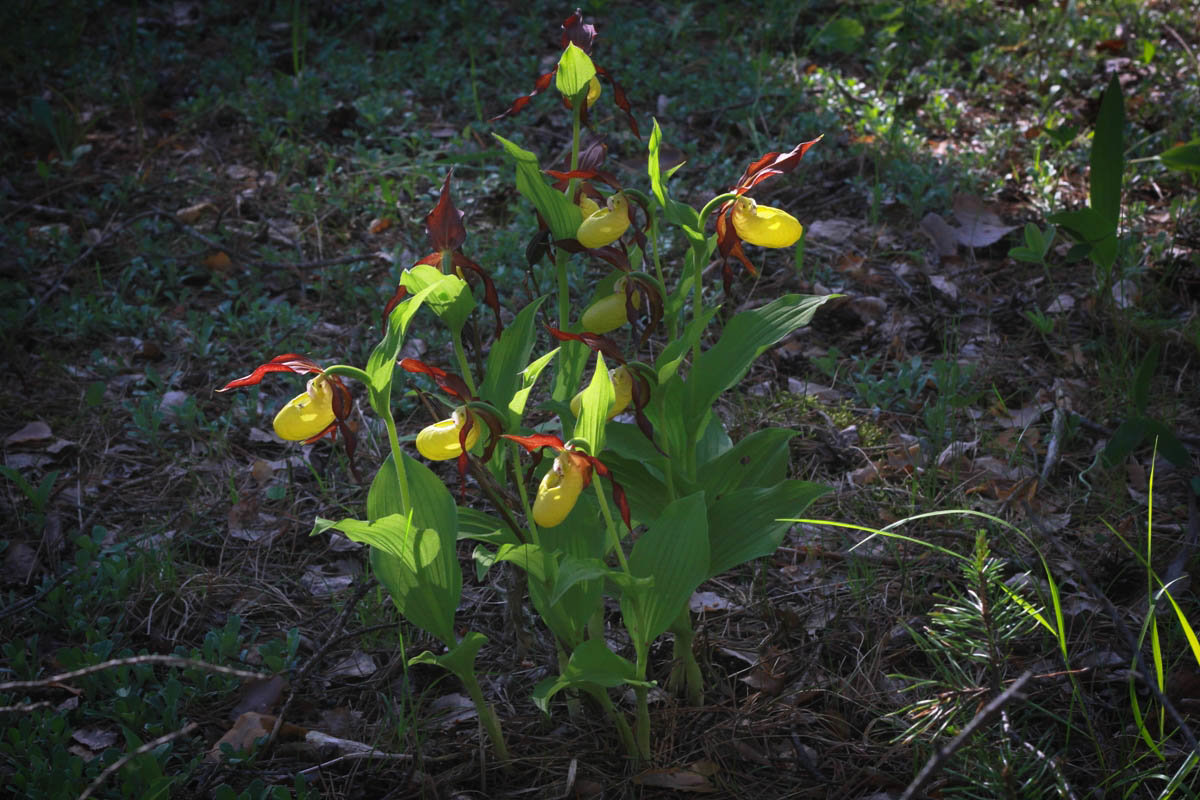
(307, 414)
(609, 313)
(439, 441)
(606, 225)
(765, 226)
(558, 492)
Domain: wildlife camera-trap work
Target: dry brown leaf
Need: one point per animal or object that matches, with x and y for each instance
(707, 602)
(249, 728)
(694, 778)
(980, 226)
(379, 225)
(940, 232)
(218, 261)
(95, 738)
(31, 433)
(356, 665)
(452, 709)
(189, 215)
(260, 696)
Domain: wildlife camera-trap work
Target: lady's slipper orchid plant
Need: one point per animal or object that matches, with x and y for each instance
(321, 410)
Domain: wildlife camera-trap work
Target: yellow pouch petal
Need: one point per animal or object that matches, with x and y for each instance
(765, 226)
(588, 206)
(307, 414)
(557, 493)
(606, 225)
(439, 441)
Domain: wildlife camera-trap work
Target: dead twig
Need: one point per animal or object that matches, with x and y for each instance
(943, 754)
(171, 661)
(335, 631)
(125, 759)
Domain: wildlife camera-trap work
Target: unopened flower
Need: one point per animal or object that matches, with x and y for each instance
(558, 492)
(442, 440)
(446, 235)
(765, 226)
(605, 225)
(581, 35)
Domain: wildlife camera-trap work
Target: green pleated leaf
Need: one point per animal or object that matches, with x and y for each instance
(761, 459)
(483, 527)
(381, 365)
(744, 525)
(1108, 154)
(560, 214)
(459, 659)
(591, 664)
(746, 336)
(449, 295)
(675, 553)
(1184, 156)
(593, 414)
(433, 505)
(418, 567)
(509, 356)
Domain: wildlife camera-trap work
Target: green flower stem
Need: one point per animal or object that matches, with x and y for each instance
(397, 458)
(487, 716)
(381, 401)
(520, 482)
(461, 354)
(626, 734)
(561, 257)
(672, 321)
(610, 526)
(643, 709)
(699, 251)
(685, 671)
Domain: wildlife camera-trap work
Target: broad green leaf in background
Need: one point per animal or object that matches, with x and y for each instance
(575, 71)
(516, 406)
(674, 552)
(561, 215)
(591, 664)
(1183, 157)
(508, 357)
(744, 525)
(449, 295)
(646, 493)
(1140, 396)
(841, 35)
(1108, 154)
(483, 527)
(1096, 226)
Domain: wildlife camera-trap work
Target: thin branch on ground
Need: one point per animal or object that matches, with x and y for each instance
(170, 661)
(940, 756)
(125, 759)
